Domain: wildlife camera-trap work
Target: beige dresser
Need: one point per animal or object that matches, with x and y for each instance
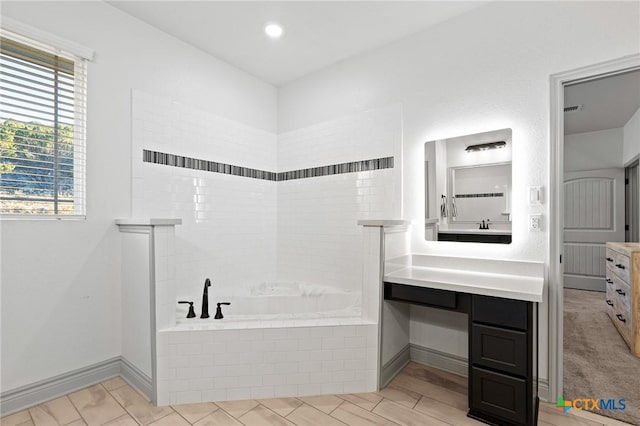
(623, 291)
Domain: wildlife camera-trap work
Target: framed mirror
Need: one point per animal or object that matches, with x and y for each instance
(468, 188)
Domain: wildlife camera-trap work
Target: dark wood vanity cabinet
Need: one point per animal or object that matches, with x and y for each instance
(502, 349)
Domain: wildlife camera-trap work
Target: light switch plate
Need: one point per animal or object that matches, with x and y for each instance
(535, 195)
(535, 222)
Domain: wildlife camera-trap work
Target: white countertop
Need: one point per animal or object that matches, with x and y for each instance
(475, 231)
(148, 221)
(519, 287)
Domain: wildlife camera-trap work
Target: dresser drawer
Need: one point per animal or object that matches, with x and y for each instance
(499, 348)
(501, 312)
(621, 266)
(499, 395)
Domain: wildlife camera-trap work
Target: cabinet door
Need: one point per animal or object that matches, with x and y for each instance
(499, 348)
(498, 395)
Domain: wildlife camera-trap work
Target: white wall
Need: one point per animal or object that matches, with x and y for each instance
(593, 150)
(488, 69)
(631, 138)
(60, 279)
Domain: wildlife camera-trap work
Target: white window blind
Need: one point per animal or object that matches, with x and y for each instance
(42, 130)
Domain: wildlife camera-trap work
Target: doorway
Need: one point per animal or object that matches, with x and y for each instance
(607, 181)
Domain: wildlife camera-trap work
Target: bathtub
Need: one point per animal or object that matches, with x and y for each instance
(279, 304)
(275, 340)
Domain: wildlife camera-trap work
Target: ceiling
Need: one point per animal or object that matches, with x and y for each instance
(607, 103)
(317, 33)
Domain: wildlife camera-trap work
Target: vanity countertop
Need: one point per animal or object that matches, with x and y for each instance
(510, 286)
(475, 231)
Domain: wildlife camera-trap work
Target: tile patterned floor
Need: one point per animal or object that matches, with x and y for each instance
(418, 396)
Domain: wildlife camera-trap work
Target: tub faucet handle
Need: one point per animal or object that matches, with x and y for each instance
(191, 313)
(219, 310)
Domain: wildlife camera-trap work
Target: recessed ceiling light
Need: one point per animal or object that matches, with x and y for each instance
(273, 29)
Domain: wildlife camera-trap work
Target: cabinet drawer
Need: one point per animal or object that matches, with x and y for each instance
(621, 266)
(500, 349)
(500, 312)
(499, 395)
(425, 296)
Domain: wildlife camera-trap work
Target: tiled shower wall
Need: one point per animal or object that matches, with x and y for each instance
(318, 236)
(241, 231)
(229, 222)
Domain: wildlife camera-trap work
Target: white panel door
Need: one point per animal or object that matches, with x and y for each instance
(593, 215)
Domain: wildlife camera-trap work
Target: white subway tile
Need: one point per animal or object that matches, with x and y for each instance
(297, 378)
(310, 344)
(355, 342)
(201, 361)
(323, 355)
(285, 391)
(215, 395)
(355, 387)
(286, 367)
(333, 342)
(178, 361)
(225, 382)
(262, 392)
(334, 365)
(238, 393)
(190, 349)
(336, 388)
(200, 384)
(286, 345)
(189, 372)
(249, 381)
(308, 389)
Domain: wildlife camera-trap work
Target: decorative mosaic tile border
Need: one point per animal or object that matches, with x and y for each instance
(336, 169)
(173, 160)
(165, 159)
(485, 195)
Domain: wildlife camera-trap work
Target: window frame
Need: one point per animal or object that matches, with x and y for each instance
(81, 56)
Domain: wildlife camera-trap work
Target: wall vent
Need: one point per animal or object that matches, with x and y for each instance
(573, 108)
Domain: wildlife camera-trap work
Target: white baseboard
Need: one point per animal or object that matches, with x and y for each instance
(440, 360)
(33, 394)
(394, 366)
(136, 378)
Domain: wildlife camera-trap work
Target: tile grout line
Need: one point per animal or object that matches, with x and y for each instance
(176, 411)
(123, 407)
(338, 406)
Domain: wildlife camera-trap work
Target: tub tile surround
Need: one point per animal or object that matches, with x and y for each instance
(200, 366)
(301, 229)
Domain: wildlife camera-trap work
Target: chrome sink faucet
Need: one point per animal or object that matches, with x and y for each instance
(205, 299)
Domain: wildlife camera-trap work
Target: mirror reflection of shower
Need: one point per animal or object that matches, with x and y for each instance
(468, 188)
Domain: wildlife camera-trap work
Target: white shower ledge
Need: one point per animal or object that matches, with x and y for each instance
(153, 221)
(510, 286)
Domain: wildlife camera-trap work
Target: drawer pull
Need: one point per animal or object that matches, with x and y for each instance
(609, 302)
(610, 281)
(621, 318)
(619, 265)
(609, 259)
(620, 292)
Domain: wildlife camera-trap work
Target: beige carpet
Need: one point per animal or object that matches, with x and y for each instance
(597, 362)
